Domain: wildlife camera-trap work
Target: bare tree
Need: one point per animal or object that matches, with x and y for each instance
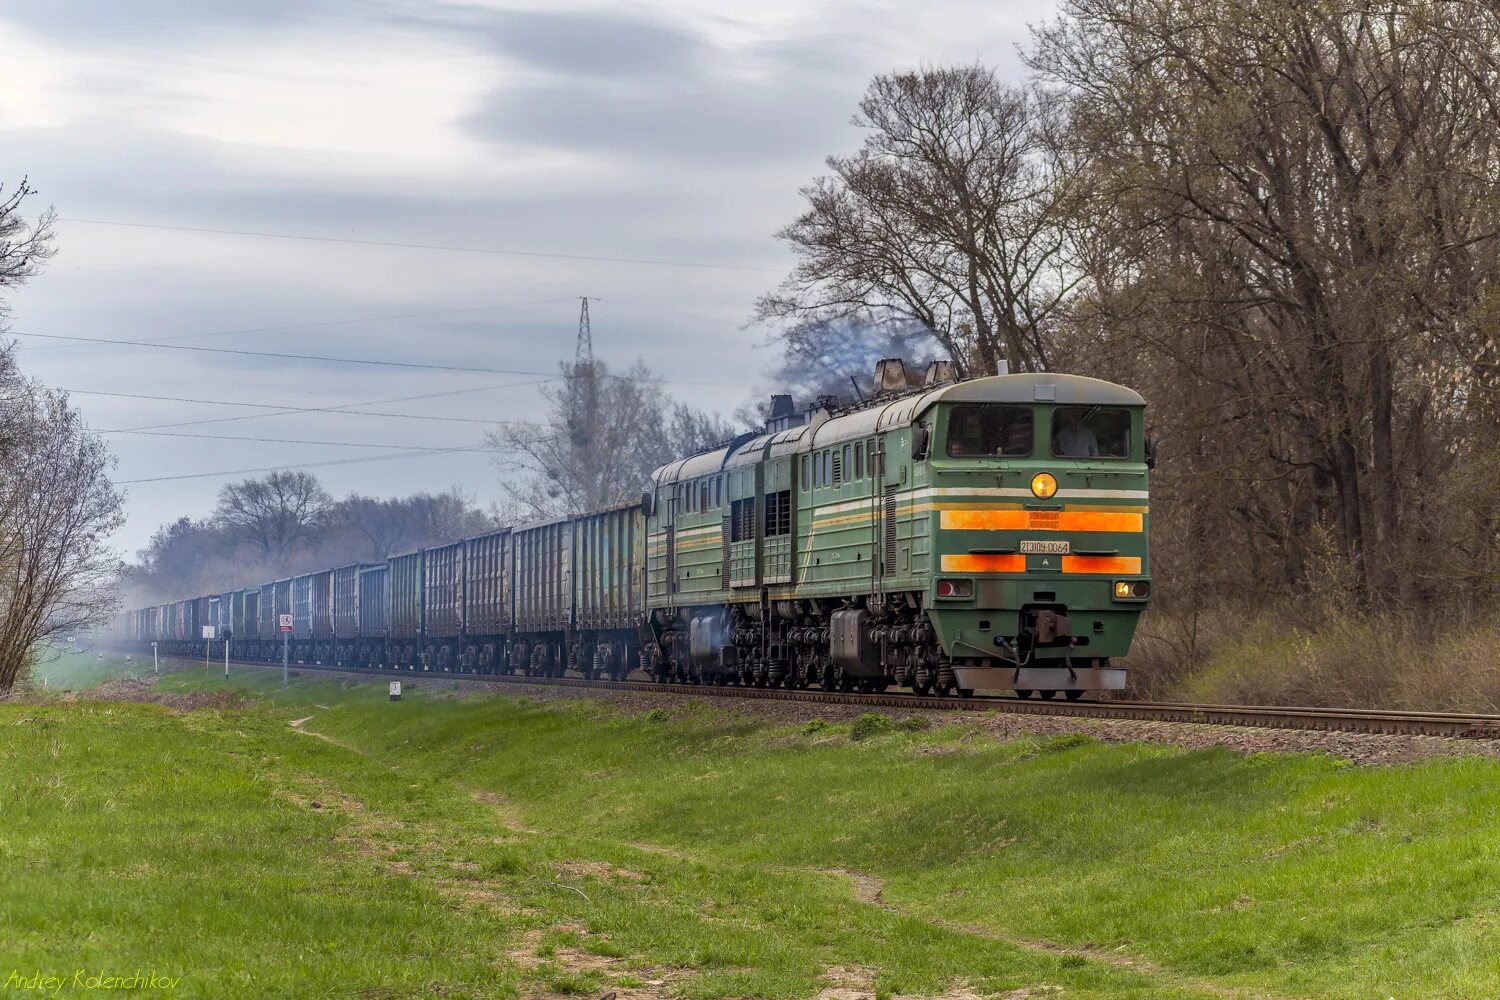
(57, 510)
(278, 513)
(394, 525)
(1296, 218)
(25, 244)
(573, 463)
(689, 431)
(951, 215)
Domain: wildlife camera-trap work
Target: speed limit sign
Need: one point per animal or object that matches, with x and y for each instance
(286, 622)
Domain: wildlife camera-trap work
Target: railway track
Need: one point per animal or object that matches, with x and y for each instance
(1350, 720)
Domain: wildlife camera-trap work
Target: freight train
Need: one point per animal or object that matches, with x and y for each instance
(960, 534)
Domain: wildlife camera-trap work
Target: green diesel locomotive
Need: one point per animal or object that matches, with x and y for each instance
(980, 534)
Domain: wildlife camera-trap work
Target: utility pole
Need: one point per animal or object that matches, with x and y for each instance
(586, 381)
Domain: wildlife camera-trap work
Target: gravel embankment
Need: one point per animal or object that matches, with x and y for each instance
(1363, 748)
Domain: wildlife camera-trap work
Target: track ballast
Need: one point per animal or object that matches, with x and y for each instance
(1348, 720)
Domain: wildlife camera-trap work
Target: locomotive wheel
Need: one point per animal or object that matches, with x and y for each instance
(1076, 695)
(1023, 693)
(1047, 695)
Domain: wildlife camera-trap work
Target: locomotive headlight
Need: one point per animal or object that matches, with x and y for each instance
(1132, 590)
(955, 589)
(1044, 485)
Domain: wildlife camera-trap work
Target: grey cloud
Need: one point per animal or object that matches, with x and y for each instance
(119, 22)
(645, 88)
(595, 44)
(696, 120)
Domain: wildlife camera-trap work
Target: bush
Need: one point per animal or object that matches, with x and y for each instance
(914, 723)
(871, 724)
(1349, 659)
(814, 726)
(656, 715)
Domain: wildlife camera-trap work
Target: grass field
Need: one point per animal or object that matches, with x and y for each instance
(493, 847)
(80, 671)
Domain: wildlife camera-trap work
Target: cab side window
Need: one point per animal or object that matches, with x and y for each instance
(989, 430)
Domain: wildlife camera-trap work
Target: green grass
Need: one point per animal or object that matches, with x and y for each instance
(495, 847)
(80, 671)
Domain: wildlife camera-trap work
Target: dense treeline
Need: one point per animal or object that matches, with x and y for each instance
(1277, 219)
(286, 523)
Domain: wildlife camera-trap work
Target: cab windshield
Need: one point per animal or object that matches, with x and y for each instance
(987, 430)
(1090, 432)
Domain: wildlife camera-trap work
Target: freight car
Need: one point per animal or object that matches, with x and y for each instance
(986, 533)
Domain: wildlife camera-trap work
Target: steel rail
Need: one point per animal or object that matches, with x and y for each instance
(1348, 720)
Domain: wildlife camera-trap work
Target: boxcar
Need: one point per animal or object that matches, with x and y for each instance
(265, 613)
(312, 617)
(608, 579)
(224, 623)
(487, 614)
(346, 612)
(404, 620)
(186, 611)
(543, 582)
(442, 604)
(374, 614)
(245, 623)
(208, 616)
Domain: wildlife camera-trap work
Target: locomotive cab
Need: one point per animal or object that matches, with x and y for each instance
(1040, 567)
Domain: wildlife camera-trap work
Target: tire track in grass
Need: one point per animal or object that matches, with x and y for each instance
(867, 889)
(870, 890)
(370, 833)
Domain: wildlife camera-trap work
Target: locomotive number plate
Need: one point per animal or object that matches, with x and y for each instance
(1047, 548)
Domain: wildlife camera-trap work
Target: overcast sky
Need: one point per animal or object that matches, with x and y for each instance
(672, 132)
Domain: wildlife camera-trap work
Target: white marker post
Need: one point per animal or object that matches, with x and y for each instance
(155, 662)
(285, 624)
(208, 645)
(395, 690)
(227, 635)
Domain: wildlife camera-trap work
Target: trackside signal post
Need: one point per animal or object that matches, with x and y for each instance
(208, 646)
(285, 624)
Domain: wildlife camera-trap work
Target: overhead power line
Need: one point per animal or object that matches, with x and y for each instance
(339, 322)
(271, 440)
(306, 465)
(541, 254)
(545, 376)
(283, 356)
(277, 407)
(285, 409)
